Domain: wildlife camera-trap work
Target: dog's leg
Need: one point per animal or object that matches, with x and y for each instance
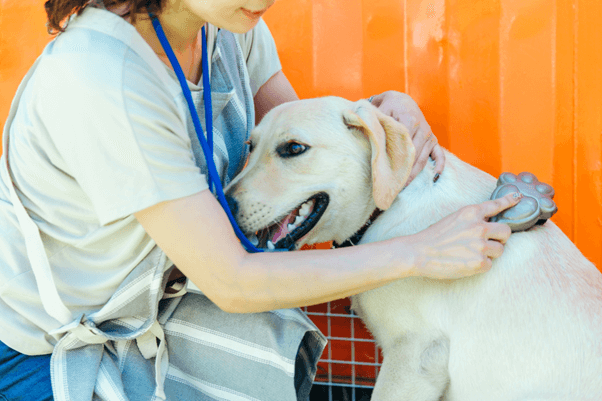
(414, 368)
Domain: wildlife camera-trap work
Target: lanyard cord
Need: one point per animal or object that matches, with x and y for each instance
(206, 145)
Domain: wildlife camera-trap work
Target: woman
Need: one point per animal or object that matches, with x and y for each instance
(102, 163)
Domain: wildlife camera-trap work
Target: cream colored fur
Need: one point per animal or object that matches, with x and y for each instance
(529, 329)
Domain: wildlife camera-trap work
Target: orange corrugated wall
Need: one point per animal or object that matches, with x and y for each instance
(507, 85)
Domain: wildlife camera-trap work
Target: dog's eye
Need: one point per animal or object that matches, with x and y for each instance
(291, 149)
(250, 145)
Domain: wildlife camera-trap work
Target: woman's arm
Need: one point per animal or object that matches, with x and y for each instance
(196, 235)
(275, 91)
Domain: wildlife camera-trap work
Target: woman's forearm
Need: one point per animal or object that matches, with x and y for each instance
(195, 234)
(275, 280)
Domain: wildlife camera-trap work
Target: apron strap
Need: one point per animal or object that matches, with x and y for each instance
(51, 301)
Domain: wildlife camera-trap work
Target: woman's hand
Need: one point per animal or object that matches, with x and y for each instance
(405, 110)
(463, 243)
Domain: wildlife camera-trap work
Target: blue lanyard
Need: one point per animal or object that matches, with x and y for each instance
(206, 144)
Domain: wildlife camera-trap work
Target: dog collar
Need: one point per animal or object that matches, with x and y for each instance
(355, 238)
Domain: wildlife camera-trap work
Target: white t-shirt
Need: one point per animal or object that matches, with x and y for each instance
(97, 136)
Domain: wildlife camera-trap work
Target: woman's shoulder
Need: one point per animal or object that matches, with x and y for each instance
(102, 58)
(95, 31)
(97, 46)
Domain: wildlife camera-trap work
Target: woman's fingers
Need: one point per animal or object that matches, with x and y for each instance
(405, 110)
(494, 249)
(499, 232)
(439, 157)
(463, 243)
(496, 206)
(422, 156)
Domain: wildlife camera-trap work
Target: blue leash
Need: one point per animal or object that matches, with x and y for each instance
(206, 144)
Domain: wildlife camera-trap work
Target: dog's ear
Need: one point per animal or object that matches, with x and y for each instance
(392, 150)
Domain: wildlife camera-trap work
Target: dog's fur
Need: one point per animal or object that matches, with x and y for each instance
(528, 329)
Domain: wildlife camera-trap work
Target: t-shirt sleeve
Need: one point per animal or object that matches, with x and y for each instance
(261, 56)
(118, 130)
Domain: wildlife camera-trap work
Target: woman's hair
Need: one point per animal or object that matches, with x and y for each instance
(59, 11)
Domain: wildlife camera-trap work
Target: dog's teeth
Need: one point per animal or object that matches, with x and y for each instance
(298, 220)
(291, 227)
(254, 240)
(304, 209)
(271, 246)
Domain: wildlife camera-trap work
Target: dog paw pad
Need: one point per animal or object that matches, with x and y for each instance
(535, 207)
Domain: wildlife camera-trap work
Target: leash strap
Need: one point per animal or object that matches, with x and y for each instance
(206, 144)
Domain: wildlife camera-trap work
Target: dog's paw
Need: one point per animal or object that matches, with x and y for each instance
(535, 207)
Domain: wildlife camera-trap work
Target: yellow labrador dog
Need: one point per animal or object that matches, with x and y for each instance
(529, 329)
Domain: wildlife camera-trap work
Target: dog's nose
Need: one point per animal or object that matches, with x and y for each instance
(233, 205)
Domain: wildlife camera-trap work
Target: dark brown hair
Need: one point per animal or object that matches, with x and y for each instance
(59, 11)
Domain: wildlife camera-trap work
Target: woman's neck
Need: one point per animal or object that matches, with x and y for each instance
(182, 30)
(180, 26)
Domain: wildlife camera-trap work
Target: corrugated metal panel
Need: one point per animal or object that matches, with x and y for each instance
(507, 85)
(22, 38)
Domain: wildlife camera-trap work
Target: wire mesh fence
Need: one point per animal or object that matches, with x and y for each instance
(350, 363)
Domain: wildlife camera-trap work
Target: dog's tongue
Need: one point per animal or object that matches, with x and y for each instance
(283, 230)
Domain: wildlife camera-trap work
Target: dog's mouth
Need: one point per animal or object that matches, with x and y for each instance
(294, 226)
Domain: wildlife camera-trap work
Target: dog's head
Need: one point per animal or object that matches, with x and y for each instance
(317, 170)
